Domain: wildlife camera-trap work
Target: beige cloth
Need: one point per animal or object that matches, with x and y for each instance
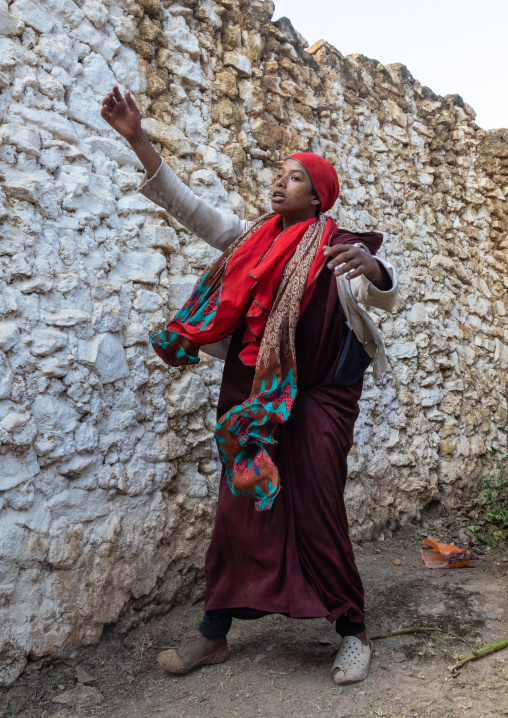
(219, 229)
(353, 291)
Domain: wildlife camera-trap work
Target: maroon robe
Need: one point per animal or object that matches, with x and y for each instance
(295, 558)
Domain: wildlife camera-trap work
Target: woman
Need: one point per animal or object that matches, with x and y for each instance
(285, 425)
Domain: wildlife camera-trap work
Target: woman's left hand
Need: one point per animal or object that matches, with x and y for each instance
(354, 261)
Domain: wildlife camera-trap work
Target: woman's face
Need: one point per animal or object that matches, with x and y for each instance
(292, 193)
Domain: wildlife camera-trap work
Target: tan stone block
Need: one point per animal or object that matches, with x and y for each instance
(448, 428)
(270, 66)
(133, 8)
(168, 135)
(239, 62)
(446, 448)
(305, 111)
(143, 48)
(155, 84)
(291, 67)
(237, 155)
(148, 31)
(276, 109)
(225, 113)
(225, 84)
(398, 114)
(231, 37)
(271, 83)
(153, 8)
(268, 135)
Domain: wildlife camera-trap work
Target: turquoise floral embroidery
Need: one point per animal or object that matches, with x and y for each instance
(251, 427)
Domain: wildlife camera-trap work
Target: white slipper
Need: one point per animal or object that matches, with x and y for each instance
(352, 661)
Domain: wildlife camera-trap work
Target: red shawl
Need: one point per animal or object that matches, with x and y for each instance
(265, 278)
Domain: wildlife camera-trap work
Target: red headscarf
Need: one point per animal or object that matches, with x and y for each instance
(323, 176)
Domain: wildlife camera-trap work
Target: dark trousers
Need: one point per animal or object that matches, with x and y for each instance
(217, 623)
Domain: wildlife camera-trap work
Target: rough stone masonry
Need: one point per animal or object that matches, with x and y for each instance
(107, 467)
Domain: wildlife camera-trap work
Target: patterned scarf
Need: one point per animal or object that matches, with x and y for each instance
(266, 279)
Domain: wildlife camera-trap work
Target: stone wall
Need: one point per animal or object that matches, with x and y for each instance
(107, 467)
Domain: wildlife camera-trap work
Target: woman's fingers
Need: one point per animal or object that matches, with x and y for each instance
(342, 258)
(345, 258)
(348, 268)
(352, 274)
(351, 264)
(108, 107)
(109, 103)
(349, 260)
(117, 94)
(115, 98)
(129, 100)
(337, 249)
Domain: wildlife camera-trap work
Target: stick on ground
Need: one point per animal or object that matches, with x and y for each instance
(404, 631)
(475, 655)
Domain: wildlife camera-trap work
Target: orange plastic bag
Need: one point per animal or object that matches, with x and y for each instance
(442, 555)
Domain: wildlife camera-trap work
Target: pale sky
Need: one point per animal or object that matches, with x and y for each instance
(452, 46)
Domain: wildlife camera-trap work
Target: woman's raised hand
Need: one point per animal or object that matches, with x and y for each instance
(122, 114)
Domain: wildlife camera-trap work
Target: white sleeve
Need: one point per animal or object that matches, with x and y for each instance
(217, 228)
(366, 292)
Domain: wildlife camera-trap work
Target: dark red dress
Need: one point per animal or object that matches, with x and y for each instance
(295, 558)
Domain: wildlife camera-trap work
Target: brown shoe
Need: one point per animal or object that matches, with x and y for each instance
(171, 661)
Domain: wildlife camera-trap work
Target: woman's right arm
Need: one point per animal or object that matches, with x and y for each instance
(162, 186)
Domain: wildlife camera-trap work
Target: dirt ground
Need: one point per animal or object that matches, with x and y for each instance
(281, 667)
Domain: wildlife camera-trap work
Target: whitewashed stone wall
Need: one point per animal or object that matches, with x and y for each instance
(107, 467)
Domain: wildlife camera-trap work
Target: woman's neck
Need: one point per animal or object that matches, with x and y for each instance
(290, 221)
